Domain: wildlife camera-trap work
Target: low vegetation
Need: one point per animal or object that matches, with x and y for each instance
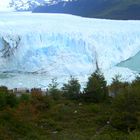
(100, 112)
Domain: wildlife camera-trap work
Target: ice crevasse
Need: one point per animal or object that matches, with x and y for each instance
(34, 48)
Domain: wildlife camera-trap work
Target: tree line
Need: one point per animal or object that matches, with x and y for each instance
(123, 98)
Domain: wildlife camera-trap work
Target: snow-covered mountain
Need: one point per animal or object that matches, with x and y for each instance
(34, 48)
(22, 5)
(27, 5)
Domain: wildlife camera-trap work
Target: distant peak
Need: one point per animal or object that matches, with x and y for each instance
(28, 5)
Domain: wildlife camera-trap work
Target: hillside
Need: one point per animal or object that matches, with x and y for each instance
(116, 9)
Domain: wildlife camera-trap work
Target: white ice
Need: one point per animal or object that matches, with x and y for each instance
(4, 5)
(34, 48)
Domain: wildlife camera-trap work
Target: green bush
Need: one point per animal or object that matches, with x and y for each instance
(11, 100)
(41, 103)
(25, 98)
(6, 98)
(2, 100)
(126, 108)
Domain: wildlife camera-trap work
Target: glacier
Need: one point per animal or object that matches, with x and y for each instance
(35, 48)
(5, 6)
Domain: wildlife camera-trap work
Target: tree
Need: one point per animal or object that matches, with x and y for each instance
(116, 85)
(96, 89)
(136, 82)
(3, 90)
(53, 90)
(71, 90)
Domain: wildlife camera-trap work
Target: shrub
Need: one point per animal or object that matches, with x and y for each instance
(11, 100)
(25, 97)
(126, 108)
(7, 98)
(2, 100)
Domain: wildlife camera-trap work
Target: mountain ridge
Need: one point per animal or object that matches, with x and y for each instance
(29, 5)
(117, 9)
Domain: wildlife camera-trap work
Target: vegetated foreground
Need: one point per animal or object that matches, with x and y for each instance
(68, 114)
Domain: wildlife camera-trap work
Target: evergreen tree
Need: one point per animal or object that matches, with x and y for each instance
(96, 89)
(53, 90)
(136, 82)
(72, 88)
(117, 85)
(3, 90)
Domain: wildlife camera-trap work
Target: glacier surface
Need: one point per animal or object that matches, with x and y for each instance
(34, 48)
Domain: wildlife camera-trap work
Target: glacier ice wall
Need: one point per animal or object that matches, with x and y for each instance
(34, 48)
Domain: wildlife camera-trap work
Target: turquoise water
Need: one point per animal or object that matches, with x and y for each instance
(132, 63)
